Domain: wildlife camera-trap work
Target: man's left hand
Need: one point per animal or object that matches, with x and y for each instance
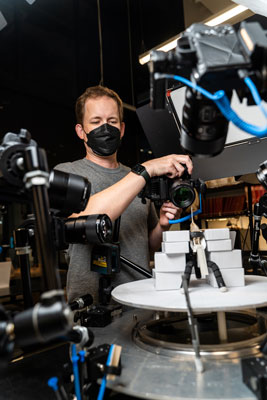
(168, 211)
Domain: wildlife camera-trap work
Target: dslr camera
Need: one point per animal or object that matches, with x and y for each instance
(180, 191)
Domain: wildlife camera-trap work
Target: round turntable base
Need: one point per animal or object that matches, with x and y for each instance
(203, 297)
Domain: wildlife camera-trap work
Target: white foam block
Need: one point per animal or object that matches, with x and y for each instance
(169, 262)
(232, 237)
(176, 236)
(175, 247)
(226, 259)
(217, 234)
(168, 280)
(231, 276)
(219, 245)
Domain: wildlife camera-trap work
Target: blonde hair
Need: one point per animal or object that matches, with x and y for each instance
(95, 92)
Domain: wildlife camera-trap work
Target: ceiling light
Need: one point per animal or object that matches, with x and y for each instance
(171, 43)
(220, 19)
(30, 1)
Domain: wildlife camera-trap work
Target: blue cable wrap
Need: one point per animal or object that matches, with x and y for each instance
(224, 106)
(222, 102)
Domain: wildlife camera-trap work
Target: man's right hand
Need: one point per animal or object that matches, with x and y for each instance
(170, 165)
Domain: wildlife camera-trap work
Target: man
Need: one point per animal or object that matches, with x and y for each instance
(99, 114)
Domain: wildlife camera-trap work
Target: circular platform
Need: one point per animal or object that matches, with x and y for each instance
(203, 297)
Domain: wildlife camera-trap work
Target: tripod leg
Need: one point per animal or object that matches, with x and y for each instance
(187, 272)
(218, 276)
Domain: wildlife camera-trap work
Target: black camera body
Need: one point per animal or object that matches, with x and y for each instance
(180, 191)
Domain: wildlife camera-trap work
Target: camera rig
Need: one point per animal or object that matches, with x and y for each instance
(25, 176)
(211, 58)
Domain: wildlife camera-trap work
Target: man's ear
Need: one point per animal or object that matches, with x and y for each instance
(122, 129)
(80, 132)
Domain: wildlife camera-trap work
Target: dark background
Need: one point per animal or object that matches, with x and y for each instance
(50, 52)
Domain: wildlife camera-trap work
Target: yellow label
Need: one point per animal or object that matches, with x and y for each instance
(100, 263)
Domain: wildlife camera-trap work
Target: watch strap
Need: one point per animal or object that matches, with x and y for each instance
(139, 169)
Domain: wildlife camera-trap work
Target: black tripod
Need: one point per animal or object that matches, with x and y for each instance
(256, 262)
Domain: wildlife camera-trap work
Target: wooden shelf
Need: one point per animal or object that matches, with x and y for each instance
(229, 201)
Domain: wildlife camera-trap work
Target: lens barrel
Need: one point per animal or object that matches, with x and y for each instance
(204, 128)
(68, 193)
(93, 229)
(181, 193)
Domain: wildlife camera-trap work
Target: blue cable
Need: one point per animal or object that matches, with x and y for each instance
(222, 102)
(189, 216)
(255, 95)
(74, 359)
(104, 379)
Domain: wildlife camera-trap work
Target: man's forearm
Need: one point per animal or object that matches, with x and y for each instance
(116, 198)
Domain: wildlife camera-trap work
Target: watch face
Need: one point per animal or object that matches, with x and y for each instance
(139, 168)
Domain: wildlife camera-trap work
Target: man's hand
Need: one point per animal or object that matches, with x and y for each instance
(169, 165)
(168, 211)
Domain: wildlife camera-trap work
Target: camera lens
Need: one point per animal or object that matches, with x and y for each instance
(68, 193)
(182, 194)
(93, 229)
(262, 174)
(204, 128)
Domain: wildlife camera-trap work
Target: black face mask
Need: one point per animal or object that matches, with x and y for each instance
(104, 140)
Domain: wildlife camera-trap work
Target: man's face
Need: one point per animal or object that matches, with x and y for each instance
(99, 111)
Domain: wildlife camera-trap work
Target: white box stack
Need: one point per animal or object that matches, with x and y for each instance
(220, 250)
(170, 263)
(168, 270)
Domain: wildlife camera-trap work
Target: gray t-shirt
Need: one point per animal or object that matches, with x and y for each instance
(136, 222)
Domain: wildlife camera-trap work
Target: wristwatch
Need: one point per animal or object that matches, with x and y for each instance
(139, 169)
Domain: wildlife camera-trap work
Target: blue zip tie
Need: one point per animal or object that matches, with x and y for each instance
(53, 383)
(82, 355)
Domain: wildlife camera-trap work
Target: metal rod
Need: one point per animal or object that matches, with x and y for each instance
(35, 160)
(222, 327)
(193, 327)
(22, 252)
(136, 267)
